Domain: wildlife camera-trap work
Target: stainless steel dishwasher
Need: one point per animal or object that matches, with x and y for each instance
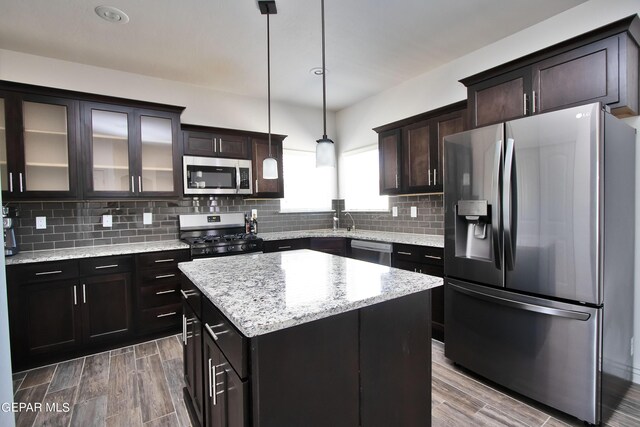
(376, 252)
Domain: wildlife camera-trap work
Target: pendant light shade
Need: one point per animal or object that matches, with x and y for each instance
(325, 148)
(269, 164)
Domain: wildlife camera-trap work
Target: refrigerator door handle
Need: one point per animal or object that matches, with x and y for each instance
(496, 211)
(557, 312)
(509, 234)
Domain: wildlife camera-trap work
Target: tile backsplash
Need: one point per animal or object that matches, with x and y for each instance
(79, 223)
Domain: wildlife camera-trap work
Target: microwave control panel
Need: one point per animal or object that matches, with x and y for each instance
(244, 179)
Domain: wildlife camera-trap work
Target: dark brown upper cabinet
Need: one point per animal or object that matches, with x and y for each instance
(214, 142)
(130, 152)
(411, 150)
(38, 146)
(599, 66)
(266, 188)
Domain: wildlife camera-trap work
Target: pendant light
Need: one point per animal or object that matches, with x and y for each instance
(325, 148)
(269, 164)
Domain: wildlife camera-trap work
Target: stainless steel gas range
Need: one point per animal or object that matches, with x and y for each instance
(215, 234)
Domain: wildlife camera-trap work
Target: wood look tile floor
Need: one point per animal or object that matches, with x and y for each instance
(142, 385)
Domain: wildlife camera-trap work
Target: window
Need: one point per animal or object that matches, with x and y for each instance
(360, 177)
(305, 187)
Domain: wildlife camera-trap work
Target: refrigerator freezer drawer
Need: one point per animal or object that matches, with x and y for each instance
(545, 350)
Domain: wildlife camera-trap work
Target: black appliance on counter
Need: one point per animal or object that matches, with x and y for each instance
(214, 234)
(9, 217)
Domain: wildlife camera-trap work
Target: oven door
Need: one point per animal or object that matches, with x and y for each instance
(206, 175)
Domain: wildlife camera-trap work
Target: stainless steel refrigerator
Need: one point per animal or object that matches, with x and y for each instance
(539, 256)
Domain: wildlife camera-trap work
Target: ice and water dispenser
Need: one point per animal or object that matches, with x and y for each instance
(473, 229)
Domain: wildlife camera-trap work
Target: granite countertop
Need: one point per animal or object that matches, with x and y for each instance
(93, 251)
(261, 293)
(379, 236)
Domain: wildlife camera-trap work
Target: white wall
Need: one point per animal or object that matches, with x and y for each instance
(303, 125)
(441, 87)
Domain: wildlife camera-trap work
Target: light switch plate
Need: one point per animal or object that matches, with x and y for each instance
(254, 213)
(394, 211)
(414, 212)
(147, 218)
(107, 220)
(41, 222)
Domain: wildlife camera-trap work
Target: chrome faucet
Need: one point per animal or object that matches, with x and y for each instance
(353, 226)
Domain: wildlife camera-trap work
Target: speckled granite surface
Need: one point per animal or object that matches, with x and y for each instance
(380, 236)
(93, 251)
(262, 293)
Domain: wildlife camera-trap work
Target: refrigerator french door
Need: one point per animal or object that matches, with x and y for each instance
(539, 225)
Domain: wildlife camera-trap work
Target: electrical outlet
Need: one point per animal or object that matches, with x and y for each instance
(107, 221)
(147, 218)
(254, 213)
(414, 212)
(394, 211)
(41, 222)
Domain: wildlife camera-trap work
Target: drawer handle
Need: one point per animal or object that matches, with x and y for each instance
(284, 247)
(163, 260)
(404, 253)
(44, 273)
(165, 276)
(166, 314)
(213, 334)
(170, 291)
(433, 257)
(187, 295)
(100, 267)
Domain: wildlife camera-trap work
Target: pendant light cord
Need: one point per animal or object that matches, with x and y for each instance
(269, 82)
(324, 83)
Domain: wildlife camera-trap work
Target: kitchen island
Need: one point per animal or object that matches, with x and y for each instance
(306, 338)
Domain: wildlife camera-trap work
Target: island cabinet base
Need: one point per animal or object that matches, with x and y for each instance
(368, 367)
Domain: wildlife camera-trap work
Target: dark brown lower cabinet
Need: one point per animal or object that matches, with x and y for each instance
(192, 346)
(330, 245)
(425, 260)
(369, 367)
(106, 307)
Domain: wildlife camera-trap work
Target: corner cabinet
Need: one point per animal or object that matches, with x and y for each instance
(38, 146)
(411, 150)
(600, 66)
(266, 188)
(130, 152)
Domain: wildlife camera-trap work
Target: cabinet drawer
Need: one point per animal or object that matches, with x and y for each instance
(232, 343)
(159, 295)
(159, 275)
(191, 295)
(44, 271)
(106, 265)
(285, 245)
(420, 254)
(161, 259)
(161, 317)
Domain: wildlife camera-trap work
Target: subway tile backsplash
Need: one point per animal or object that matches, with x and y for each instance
(79, 223)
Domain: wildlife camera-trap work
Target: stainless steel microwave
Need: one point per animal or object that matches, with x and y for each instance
(213, 175)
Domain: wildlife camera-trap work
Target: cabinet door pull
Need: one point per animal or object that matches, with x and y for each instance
(211, 380)
(139, 184)
(165, 276)
(166, 314)
(420, 271)
(133, 185)
(75, 295)
(433, 257)
(170, 291)
(101, 267)
(84, 294)
(404, 253)
(257, 186)
(20, 176)
(533, 101)
(215, 145)
(184, 329)
(213, 334)
(396, 180)
(11, 182)
(435, 181)
(45, 273)
(163, 260)
(429, 173)
(284, 247)
(184, 294)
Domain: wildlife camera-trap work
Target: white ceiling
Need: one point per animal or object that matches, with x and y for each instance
(221, 44)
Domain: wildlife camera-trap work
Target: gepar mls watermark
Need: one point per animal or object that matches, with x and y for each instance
(35, 407)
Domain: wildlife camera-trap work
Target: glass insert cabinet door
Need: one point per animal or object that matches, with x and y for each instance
(110, 166)
(46, 147)
(4, 171)
(156, 137)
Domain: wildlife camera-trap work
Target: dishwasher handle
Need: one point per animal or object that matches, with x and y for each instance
(372, 246)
